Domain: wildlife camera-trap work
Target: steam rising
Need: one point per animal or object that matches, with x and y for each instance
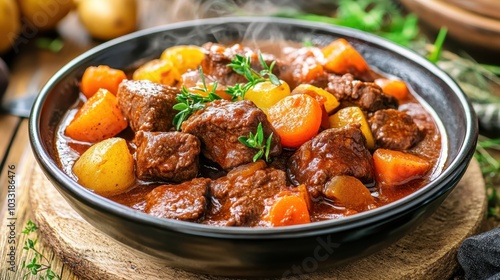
(253, 34)
(180, 10)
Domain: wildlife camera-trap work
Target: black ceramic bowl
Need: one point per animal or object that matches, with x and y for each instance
(259, 251)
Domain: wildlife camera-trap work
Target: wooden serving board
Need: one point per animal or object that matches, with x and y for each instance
(429, 252)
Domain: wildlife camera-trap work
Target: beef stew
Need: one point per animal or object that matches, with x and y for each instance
(231, 162)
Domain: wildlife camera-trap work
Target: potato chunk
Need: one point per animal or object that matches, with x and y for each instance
(264, 95)
(184, 57)
(158, 71)
(107, 167)
(353, 115)
(349, 192)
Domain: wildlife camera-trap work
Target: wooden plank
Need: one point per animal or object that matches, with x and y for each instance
(8, 126)
(24, 162)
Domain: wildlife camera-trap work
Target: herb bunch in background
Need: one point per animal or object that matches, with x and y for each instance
(383, 18)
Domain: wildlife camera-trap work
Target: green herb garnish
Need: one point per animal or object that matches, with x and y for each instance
(241, 65)
(435, 54)
(30, 227)
(36, 265)
(190, 102)
(256, 141)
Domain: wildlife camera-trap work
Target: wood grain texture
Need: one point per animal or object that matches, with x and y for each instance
(22, 158)
(426, 253)
(489, 8)
(468, 27)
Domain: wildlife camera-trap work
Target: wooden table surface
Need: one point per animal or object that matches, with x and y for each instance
(30, 69)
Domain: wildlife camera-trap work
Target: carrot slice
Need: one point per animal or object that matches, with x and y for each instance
(289, 210)
(341, 57)
(329, 100)
(102, 76)
(395, 167)
(310, 70)
(99, 118)
(296, 118)
(326, 100)
(396, 88)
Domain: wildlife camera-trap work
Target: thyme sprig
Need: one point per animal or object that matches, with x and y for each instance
(190, 102)
(242, 66)
(36, 266)
(256, 141)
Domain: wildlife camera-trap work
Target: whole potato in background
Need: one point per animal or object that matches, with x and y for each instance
(4, 78)
(9, 24)
(45, 14)
(108, 19)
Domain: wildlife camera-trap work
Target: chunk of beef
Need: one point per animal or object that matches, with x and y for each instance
(186, 201)
(147, 105)
(366, 95)
(221, 123)
(218, 56)
(167, 156)
(394, 130)
(335, 151)
(420, 116)
(302, 66)
(239, 199)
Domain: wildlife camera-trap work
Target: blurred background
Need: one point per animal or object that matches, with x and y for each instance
(472, 25)
(461, 36)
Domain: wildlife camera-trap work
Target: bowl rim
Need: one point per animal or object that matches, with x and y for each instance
(421, 196)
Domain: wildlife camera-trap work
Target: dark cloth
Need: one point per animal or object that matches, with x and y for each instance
(479, 256)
